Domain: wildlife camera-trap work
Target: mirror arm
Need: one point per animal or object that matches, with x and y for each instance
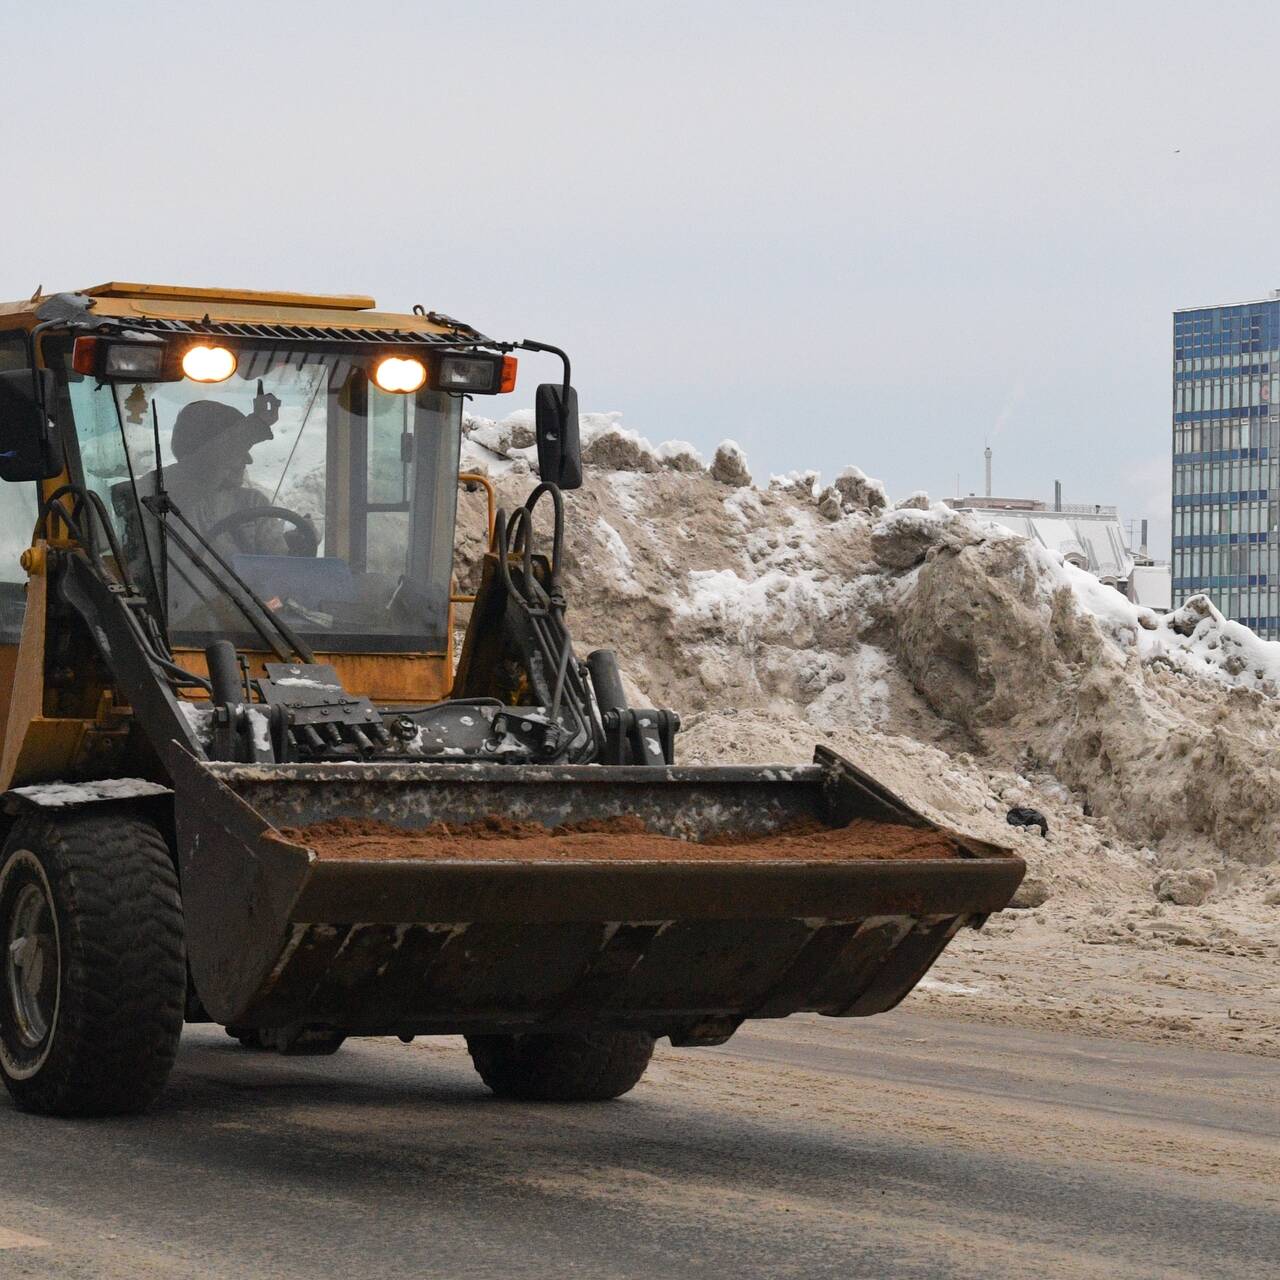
(528, 344)
(33, 353)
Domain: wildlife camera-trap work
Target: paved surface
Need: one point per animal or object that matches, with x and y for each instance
(899, 1146)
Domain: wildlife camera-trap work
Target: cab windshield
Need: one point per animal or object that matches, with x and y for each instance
(332, 499)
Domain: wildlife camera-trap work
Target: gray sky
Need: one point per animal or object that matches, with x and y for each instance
(870, 233)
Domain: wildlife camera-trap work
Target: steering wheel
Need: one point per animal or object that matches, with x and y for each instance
(302, 538)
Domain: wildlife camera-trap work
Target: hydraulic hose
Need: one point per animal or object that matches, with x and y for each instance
(544, 607)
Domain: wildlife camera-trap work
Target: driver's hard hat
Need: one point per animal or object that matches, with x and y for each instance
(202, 422)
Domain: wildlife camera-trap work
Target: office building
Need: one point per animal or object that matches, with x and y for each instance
(1226, 460)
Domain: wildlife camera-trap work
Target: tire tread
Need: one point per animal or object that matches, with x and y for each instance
(123, 963)
(587, 1066)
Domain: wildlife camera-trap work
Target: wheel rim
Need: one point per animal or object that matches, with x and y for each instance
(31, 965)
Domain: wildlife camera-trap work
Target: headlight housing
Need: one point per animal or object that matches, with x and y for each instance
(478, 374)
(105, 359)
(463, 372)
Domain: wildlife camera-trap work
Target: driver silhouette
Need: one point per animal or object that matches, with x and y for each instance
(211, 445)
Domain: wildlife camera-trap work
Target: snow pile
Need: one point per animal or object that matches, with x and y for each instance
(512, 437)
(1168, 725)
(491, 447)
(1195, 639)
(774, 616)
(680, 455)
(729, 465)
(607, 444)
(970, 671)
(852, 491)
(508, 446)
(907, 534)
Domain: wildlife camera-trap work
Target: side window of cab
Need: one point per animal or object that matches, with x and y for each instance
(18, 504)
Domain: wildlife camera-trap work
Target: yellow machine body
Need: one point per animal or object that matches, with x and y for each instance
(42, 740)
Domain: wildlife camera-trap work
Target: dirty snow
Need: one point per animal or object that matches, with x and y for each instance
(260, 727)
(971, 670)
(199, 719)
(59, 795)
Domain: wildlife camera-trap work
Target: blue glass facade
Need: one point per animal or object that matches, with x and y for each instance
(1226, 460)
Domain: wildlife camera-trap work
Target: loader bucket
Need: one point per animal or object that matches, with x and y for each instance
(688, 946)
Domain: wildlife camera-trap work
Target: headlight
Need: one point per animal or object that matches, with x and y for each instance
(144, 363)
(469, 373)
(400, 374)
(138, 361)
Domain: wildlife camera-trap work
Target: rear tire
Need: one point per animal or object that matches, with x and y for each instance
(92, 966)
(590, 1066)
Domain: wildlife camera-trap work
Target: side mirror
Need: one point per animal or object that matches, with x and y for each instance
(559, 448)
(29, 444)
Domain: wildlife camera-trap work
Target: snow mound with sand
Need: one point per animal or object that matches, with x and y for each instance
(970, 668)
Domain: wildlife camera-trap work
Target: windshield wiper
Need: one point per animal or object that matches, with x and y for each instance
(163, 618)
(162, 584)
(250, 604)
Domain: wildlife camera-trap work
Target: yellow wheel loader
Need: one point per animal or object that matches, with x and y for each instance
(245, 782)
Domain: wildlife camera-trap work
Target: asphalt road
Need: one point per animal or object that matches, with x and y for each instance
(898, 1146)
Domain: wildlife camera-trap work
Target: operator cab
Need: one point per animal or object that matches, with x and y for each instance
(331, 498)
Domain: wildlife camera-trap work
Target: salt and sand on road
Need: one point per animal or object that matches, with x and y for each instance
(897, 1146)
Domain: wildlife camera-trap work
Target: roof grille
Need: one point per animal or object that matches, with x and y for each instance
(301, 332)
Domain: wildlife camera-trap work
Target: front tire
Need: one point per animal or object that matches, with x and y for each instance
(590, 1066)
(94, 973)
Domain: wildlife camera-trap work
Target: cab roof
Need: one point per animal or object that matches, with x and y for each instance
(188, 293)
(183, 303)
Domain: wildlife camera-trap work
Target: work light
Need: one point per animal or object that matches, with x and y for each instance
(400, 374)
(208, 364)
